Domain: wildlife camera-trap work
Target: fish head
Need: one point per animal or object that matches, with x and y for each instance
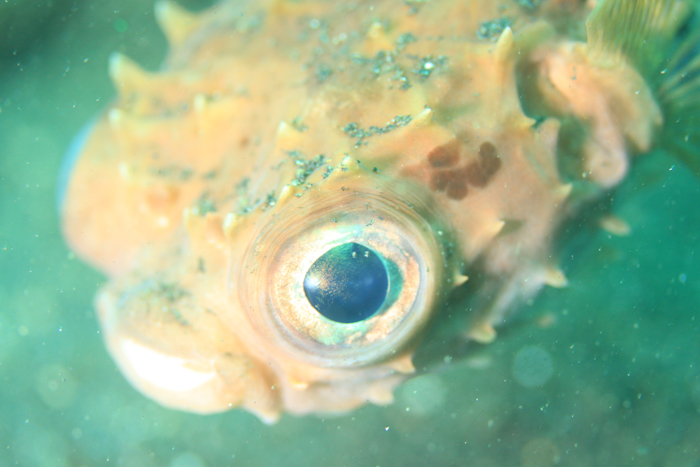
(281, 236)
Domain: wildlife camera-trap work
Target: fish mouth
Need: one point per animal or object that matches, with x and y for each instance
(347, 275)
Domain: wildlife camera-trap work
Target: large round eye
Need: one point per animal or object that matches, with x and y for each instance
(347, 284)
(346, 275)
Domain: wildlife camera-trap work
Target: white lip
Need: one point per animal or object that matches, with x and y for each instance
(161, 370)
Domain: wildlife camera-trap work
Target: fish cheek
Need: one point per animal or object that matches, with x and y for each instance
(170, 342)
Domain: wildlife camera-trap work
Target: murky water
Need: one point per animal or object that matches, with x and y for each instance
(605, 372)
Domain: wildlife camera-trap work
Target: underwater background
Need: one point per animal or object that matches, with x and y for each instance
(603, 373)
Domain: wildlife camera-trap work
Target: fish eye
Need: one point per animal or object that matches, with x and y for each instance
(344, 276)
(347, 284)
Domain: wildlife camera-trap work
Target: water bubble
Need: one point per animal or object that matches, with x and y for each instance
(56, 386)
(187, 459)
(37, 446)
(423, 395)
(142, 421)
(540, 452)
(121, 25)
(532, 366)
(9, 337)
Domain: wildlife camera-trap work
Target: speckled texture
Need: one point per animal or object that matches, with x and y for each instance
(623, 390)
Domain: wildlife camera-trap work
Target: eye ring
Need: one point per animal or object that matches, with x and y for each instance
(392, 220)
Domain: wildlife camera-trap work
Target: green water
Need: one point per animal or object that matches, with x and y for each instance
(612, 380)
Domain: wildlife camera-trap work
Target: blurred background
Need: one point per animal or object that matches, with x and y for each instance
(604, 372)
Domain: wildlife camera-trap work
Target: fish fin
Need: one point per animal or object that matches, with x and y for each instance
(636, 30)
(646, 34)
(677, 90)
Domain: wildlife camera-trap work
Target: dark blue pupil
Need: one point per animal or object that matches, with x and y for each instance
(347, 284)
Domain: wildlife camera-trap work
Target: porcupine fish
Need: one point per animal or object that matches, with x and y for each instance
(288, 207)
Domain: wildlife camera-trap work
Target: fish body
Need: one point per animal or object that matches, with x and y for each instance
(447, 139)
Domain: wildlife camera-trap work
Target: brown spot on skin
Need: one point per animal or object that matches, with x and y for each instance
(446, 155)
(452, 181)
(479, 173)
(488, 150)
(440, 179)
(457, 191)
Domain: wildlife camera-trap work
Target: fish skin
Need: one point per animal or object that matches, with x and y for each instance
(192, 166)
